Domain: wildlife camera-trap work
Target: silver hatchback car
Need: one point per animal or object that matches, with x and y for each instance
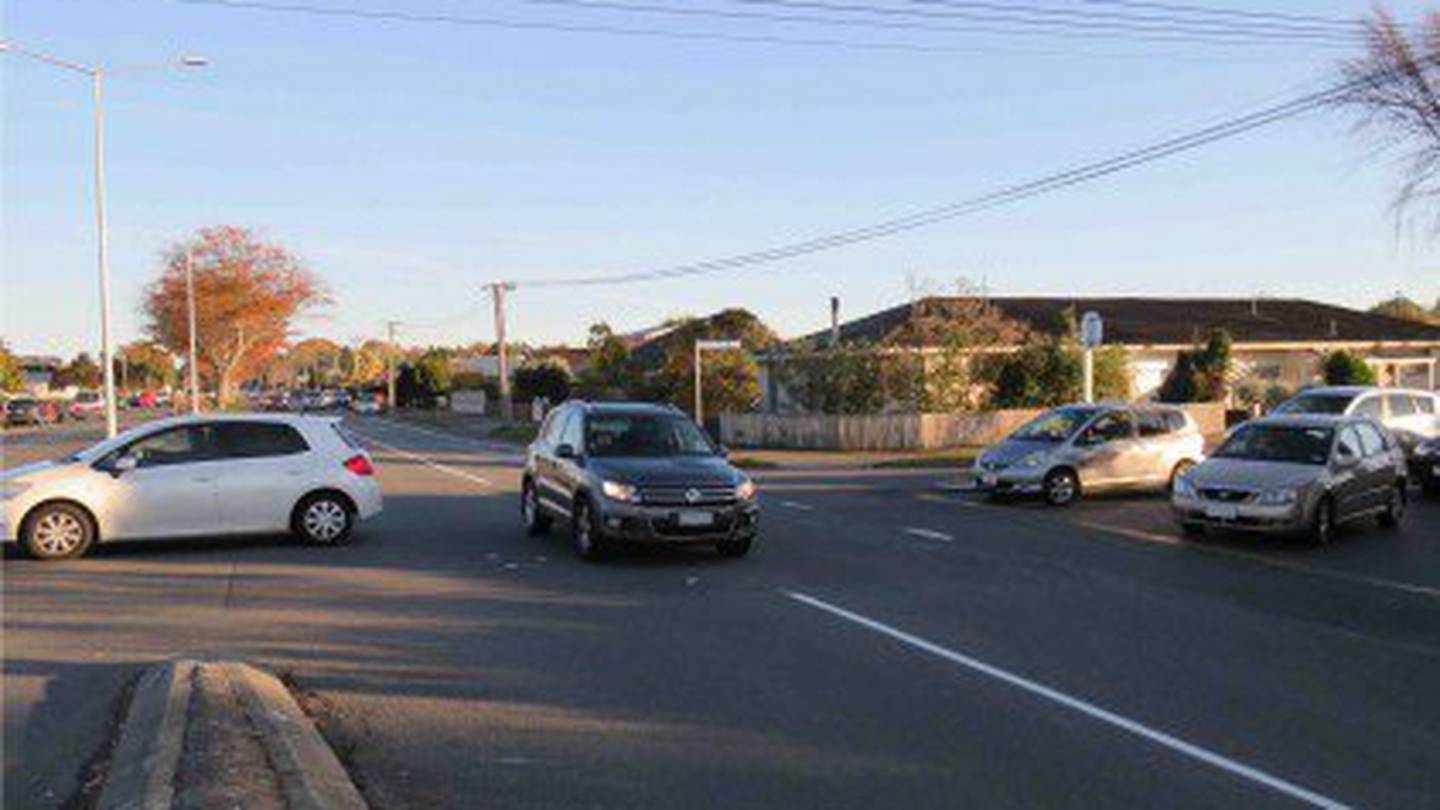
(1083, 448)
(1295, 473)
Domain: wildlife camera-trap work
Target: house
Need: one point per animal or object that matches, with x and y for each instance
(1276, 342)
(39, 371)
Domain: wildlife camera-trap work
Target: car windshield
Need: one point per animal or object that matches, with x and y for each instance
(1285, 443)
(1055, 426)
(610, 435)
(1316, 403)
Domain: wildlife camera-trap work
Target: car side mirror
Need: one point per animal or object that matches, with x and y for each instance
(565, 451)
(1345, 458)
(122, 465)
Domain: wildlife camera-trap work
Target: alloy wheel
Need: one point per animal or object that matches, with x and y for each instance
(325, 520)
(58, 534)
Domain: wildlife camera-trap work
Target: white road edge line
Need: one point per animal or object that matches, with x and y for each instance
(423, 460)
(1084, 707)
(928, 534)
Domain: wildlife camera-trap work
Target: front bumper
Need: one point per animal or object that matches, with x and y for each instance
(1011, 480)
(669, 524)
(1239, 516)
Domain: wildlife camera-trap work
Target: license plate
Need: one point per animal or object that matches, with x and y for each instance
(987, 480)
(1222, 511)
(695, 518)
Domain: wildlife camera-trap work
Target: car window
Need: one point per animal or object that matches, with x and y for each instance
(1425, 405)
(260, 439)
(1368, 407)
(1400, 404)
(550, 431)
(1159, 423)
(1054, 426)
(178, 445)
(649, 435)
(1316, 403)
(1349, 443)
(1111, 427)
(570, 432)
(1371, 440)
(1284, 443)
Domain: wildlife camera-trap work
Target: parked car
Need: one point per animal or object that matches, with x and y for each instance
(28, 411)
(194, 476)
(87, 404)
(1425, 465)
(630, 472)
(1411, 415)
(1295, 473)
(364, 405)
(1084, 448)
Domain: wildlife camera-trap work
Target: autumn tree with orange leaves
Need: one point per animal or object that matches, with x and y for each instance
(247, 295)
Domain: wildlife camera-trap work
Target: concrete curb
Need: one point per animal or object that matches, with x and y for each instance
(143, 767)
(310, 774)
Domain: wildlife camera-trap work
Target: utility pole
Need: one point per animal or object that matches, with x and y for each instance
(190, 295)
(497, 292)
(390, 364)
(834, 321)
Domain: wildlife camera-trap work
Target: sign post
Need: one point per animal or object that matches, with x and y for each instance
(704, 346)
(1092, 334)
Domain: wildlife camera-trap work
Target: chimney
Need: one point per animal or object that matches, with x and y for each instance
(834, 320)
(1334, 328)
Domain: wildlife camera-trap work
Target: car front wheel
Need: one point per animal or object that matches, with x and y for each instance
(1322, 526)
(585, 532)
(323, 519)
(1062, 487)
(1394, 508)
(536, 521)
(57, 531)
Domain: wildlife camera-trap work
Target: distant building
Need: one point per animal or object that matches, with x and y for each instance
(39, 372)
(1277, 342)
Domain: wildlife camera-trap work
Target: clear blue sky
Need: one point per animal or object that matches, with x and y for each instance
(409, 164)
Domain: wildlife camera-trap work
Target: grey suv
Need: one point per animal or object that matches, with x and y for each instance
(1295, 473)
(630, 472)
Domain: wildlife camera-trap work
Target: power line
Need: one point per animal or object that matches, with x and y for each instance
(1216, 10)
(1075, 176)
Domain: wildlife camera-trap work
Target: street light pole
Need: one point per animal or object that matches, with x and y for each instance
(190, 297)
(390, 365)
(97, 95)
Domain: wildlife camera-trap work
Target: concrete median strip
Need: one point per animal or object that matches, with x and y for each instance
(186, 717)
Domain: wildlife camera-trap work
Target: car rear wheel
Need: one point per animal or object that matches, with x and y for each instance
(323, 519)
(1062, 487)
(738, 547)
(585, 532)
(57, 531)
(1322, 526)
(536, 521)
(1394, 508)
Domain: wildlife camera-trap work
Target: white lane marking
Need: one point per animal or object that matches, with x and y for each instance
(1083, 706)
(803, 507)
(488, 446)
(423, 460)
(928, 534)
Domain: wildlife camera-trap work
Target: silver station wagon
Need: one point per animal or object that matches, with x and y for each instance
(1084, 448)
(1295, 473)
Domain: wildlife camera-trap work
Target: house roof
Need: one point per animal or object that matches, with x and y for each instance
(1150, 321)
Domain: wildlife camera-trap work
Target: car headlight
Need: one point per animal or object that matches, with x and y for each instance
(745, 490)
(1184, 487)
(13, 489)
(1277, 497)
(1034, 459)
(616, 491)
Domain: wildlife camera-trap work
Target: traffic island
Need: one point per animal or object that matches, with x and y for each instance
(221, 734)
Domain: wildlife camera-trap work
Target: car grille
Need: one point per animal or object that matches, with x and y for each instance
(670, 495)
(670, 527)
(1225, 495)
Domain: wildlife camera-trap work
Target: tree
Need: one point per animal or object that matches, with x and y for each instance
(315, 361)
(81, 372)
(421, 381)
(12, 376)
(1343, 368)
(145, 364)
(547, 380)
(247, 293)
(731, 379)
(611, 373)
(1201, 374)
(1408, 310)
(1394, 91)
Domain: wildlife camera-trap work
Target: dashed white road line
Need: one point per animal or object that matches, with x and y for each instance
(423, 460)
(928, 534)
(796, 505)
(1080, 705)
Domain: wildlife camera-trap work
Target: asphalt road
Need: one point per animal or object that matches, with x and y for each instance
(888, 644)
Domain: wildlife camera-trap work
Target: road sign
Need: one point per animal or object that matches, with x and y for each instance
(1092, 330)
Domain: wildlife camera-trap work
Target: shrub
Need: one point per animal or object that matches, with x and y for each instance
(545, 380)
(1343, 368)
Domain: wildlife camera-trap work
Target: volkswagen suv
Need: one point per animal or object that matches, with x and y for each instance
(630, 472)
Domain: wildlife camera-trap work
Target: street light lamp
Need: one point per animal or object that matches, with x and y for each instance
(707, 346)
(97, 95)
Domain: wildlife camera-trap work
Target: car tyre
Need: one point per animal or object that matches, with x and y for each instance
(735, 547)
(536, 521)
(57, 531)
(1061, 487)
(323, 519)
(1322, 526)
(1394, 508)
(585, 532)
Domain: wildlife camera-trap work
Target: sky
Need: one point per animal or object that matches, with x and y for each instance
(409, 164)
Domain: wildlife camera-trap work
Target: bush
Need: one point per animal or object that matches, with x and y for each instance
(546, 380)
(1344, 368)
(1200, 374)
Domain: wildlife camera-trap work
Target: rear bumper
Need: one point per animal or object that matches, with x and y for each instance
(368, 500)
(662, 524)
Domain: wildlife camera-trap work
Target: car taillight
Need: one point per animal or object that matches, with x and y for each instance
(359, 465)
